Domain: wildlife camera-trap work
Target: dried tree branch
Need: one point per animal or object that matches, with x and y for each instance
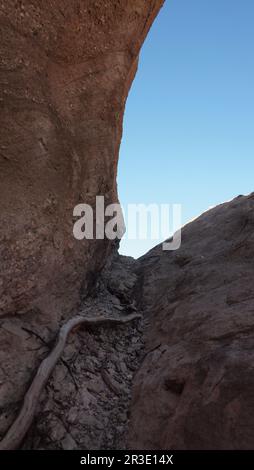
(22, 423)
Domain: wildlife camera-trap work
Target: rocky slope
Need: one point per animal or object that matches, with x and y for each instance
(194, 388)
(182, 376)
(86, 402)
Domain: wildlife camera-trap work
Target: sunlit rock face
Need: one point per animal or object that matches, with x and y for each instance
(194, 389)
(66, 68)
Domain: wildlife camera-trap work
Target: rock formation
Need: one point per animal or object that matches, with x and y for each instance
(85, 403)
(194, 389)
(182, 375)
(66, 68)
(187, 367)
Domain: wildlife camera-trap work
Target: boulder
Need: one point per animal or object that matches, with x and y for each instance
(194, 388)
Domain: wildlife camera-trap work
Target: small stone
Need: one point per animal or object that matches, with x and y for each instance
(116, 301)
(72, 417)
(57, 431)
(119, 307)
(96, 386)
(68, 443)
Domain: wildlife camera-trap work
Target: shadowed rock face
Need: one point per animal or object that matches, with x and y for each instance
(65, 71)
(189, 362)
(66, 68)
(194, 389)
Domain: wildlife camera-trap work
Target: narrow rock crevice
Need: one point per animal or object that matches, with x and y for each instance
(86, 402)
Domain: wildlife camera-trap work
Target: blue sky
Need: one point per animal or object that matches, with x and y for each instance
(189, 121)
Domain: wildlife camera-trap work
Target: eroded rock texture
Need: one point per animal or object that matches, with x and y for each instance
(194, 389)
(66, 68)
(85, 404)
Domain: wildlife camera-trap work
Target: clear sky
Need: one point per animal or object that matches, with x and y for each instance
(189, 121)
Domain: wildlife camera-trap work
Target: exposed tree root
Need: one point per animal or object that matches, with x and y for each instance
(22, 423)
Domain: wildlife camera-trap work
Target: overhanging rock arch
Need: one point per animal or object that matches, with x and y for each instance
(65, 74)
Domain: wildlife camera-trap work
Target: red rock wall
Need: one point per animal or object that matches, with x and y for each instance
(194, 389)
(66, 68)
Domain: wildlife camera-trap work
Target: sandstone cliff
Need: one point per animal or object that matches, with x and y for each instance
(66, 68)
(181, 374)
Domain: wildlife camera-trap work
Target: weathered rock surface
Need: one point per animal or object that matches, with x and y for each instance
(188, 365)
(194, 389)
(65, 71)
(86, 402)
(66, 68)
